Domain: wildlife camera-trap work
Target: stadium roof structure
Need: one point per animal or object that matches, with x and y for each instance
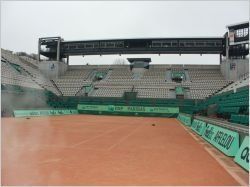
(48, 47)
(131, 60)
(238, 25)
(56, 48)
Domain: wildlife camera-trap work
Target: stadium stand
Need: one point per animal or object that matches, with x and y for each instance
(202, 81)
(103, 91)
(230, 105)
(13, 74)
(30, 60)
(244, 81)
(194, 88)
(202, 86)
(152, 92)
(30, 69)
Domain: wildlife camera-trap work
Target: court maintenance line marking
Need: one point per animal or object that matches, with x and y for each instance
(93, 138)
(124, 138)
(224, 166)
(32, 147)
(50, 161)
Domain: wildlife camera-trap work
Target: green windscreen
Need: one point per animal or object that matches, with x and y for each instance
(128, 109)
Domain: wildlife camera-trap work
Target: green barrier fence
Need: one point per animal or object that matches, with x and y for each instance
(186, 119)
(198, 126)
(128, 110)
(242, 156)
(184, 105)
(27, 113)
(225, 140)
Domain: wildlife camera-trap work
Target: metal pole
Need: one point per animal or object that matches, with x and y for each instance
(39, 48)
(227, 47)
(58, 50)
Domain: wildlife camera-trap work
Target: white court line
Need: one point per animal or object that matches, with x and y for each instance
(124, 138)
(95, 137)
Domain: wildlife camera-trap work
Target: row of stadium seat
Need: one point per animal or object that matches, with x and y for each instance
(109, 92)
(30, 60)
(242, 119)
(230, 110)
(10, 75)
(73, 80)
(230, 104)
(30, 69)
(244, 81)
(152, 92)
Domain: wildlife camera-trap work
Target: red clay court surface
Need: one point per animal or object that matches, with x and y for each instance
(105, 150)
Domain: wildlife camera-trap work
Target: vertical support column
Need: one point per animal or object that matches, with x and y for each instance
(39, 49)
(220, 58)
(68, 60)
(58, 50)
(227, 47)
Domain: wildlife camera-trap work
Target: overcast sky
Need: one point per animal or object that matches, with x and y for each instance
(22, 23)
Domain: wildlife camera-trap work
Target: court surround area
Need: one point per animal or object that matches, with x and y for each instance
(106, 150)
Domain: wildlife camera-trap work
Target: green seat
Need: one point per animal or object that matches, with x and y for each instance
(242, 119)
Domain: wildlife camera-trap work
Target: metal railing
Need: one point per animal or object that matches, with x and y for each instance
(231, 126)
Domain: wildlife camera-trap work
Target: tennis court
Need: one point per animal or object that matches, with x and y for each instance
(105, 150)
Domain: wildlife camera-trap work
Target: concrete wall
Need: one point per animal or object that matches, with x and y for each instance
(53, 69)
(241, 67)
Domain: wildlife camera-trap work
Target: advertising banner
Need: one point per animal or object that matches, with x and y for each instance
(27, 113)
(137, 109)
(198, 126)
(225, 140)
(242, 156)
